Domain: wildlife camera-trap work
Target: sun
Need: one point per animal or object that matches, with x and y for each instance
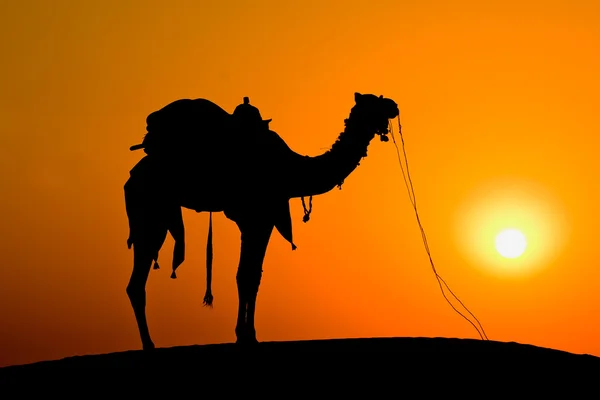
(511, 243)
(511, 228)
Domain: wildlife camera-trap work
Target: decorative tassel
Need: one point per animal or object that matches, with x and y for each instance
(208, 299)
(308, 210)
(294, 247)
(156, 266)
(173, 276)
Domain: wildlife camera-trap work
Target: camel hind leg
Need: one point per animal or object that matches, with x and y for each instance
(136, 291)
(148, 231)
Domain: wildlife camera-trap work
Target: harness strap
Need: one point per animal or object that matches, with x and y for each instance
(208, 297)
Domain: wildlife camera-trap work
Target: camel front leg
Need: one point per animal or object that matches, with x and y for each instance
(251, 308)
(255, 239)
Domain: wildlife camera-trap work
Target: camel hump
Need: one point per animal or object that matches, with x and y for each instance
(183, 123)
(184, 126)
(187, 113)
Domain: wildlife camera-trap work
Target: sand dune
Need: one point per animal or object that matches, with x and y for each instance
(343, 364)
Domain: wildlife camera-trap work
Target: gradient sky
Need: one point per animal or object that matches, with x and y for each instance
(499, 108)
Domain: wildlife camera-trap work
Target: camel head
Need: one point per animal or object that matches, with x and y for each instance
(373, 113)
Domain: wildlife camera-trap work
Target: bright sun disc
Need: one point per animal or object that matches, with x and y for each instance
(511, 243)
(512, 204)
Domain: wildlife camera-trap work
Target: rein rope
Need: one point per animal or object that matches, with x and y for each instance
(411, 195)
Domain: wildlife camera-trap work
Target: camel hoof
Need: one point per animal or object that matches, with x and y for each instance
(246, 342)
(246, 338)
(148, 346)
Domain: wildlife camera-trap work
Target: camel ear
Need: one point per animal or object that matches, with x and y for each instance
(357, 96)
(381, 96)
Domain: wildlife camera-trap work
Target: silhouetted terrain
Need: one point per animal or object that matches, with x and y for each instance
(397, 364)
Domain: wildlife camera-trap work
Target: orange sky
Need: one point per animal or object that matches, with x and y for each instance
(499, 114)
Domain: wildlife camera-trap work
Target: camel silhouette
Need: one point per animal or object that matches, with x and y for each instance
(202, 158)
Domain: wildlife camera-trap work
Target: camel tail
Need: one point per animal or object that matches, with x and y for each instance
(136, 193)
(177, 231)
(141, 204)
(208, 297)
(131, 196)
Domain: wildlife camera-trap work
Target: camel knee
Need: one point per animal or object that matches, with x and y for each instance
(248, 283)
(136, 293)
(133, 290)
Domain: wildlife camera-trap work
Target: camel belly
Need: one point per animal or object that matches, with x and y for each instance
(208, 184)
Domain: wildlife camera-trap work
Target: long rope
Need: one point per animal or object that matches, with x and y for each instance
(411, 195)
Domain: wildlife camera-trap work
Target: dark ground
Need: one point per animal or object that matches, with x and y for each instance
(386, 367)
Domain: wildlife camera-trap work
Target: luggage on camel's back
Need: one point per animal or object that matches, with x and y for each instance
(190, 126)
(193, 145)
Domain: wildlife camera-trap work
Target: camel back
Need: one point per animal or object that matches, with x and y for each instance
(197, 139)
(185, 125)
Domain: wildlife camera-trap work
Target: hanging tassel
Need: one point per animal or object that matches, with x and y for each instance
(178, 232)
(308, 210)
(156, 266)
(208, 300)
(208, 297)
